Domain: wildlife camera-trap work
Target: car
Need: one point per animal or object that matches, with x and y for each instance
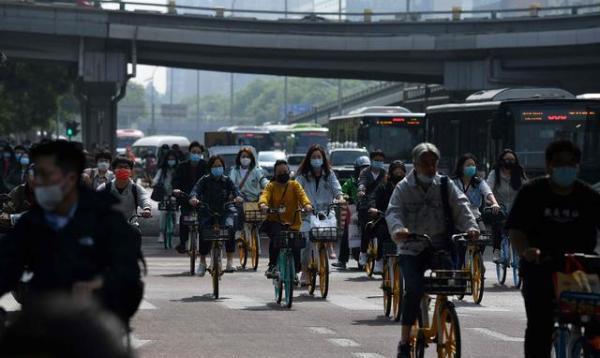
(228, 153)
(267, 158)
(152, 144)
(342, 161)
(294, 161)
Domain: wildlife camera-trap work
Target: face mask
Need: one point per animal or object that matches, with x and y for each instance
(245, 161)
(564, 176)
(283, 178)
(171, 162)
(217, 171)
(469, 171)
(48, 197)
(396, 178)
(122, 174)
(425, 179)
(316, 163)
(509, 164)
(195, 157)
(377, 164)
(24, 160)
(103, 165)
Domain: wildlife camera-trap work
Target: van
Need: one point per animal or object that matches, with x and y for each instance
(153, 143)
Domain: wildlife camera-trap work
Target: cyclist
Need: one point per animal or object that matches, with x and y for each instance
(368, 180)
(505, 180)
(72, 241)
(21, 200)
(8, 163)
(164, 179)
(19, 173)
(350, 190)
(551, 216)
(417, 206)
(216, 190)
(186, 175)
(131, 195)
(287, 196)
(322, 188)
(94, 177)
(378, 203)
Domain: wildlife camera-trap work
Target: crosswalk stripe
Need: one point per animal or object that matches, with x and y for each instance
(352, 303)
(145, 305)
(136, 343)
(497, 335)
(240, 302)
(344, 342)
(367, 355)
(321, 330)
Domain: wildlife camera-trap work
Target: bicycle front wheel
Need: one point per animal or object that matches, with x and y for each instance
(477, 278)
(290, 274)
(515, 268)
(169, 230)
(371, 254)
(560, 337)
(216, 270)
(448, 345)
(243, 250)
(254, 247)
(193, 239)
(323, 271)
(311, 275)
(397, 291)
(386, 287)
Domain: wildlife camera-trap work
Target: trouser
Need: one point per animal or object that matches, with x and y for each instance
(273, 229)
(498, 233)
(184, 230)
(227, 221)
(413, 268)
(538, 294)
(378, 230)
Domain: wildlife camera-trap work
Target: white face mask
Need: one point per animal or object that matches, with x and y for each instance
(103, 165)
(245, 161)
(48, 197)
(425, 179)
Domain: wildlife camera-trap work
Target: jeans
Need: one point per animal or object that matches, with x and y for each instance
(273, 229)
(538, 294)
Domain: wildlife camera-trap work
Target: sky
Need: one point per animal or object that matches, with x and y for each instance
(145, 73)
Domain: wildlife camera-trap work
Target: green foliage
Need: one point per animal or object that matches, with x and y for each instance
(29, 93)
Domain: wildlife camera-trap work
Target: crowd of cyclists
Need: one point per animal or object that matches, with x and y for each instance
(70, 220)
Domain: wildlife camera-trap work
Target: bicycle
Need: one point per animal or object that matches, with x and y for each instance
(444, 328)
(249, 242)
(285, 276)
(473, 263)
(373, 247)
(171, 206)
(392, 284)
(509, 257)
(321, 237)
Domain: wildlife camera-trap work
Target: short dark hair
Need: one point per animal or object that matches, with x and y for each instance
(103, 154)
(213, 159)
(67, 156)
(377, 153)
(560, 146)
(122, 160)
(278, 163)
(195, 144)
(247, 151)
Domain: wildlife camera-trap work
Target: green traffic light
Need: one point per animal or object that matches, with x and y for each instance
(69, 132)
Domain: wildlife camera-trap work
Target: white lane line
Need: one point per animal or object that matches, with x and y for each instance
(321, 330)
(497, 335)
(344, 342)
(367, 355)
(9, 303)
(353, 303)
(482, 309)
(145, 305)
(240, 302)
(137, 343)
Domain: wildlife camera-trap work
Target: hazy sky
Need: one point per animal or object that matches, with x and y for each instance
(144, 76)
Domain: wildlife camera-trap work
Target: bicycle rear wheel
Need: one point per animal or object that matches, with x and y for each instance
(386, 287)
(193, 237)
(323, 271)
(254, 245)
(560, 337)
(216, 270)
(418, 343)
(289, 280)
(371, 254)
(243, 249)
(311, 275)
(397, 291)
(169, 228)
(515, 268)
(477, 277)
(448, 345)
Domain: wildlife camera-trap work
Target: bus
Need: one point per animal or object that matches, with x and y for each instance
(255, 137)
(304, 135)
(395, 130)
(525, 120)
(126, 138)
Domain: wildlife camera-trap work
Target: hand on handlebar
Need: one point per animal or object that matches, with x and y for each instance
(308, 208)
(263, 207)
(177, 192)
(402, 234)
(495, 209)
(194, 202)
(238, 200)
(473, 234)
(147, 213)
(373, 212)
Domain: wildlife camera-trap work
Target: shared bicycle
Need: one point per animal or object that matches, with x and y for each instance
(170, 206)
(392, 283)
(249, 241)
(473, 262)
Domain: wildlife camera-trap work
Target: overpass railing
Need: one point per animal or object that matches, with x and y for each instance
(455, 14)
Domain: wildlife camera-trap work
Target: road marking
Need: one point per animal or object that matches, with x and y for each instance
(145, 305)
(9, 303)
(497, 335)
(344, 342)
(482, 309)
(240, 302)
(367, 355)
(353, 303)
(321, 330)
(137, 343)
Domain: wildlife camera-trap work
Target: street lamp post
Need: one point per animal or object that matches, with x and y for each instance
(152, 118)
(285, 79)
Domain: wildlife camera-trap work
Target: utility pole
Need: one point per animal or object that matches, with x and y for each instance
(285, 80)
(339, 84)
(231, 102)
(197, 102)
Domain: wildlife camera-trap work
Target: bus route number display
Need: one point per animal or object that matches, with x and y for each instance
(399, 121)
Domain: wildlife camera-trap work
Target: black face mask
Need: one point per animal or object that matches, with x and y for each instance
(509, 164)
(282, 178)
(396, 179)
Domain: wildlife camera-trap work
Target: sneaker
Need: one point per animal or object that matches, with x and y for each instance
(229, 267)
(161, 237)
(181, 248)
(496, 256)
(270, 273)
(362, 259)
(339, 265)
(378, 267)
(303, 279)
(403, 350)
(201, 271)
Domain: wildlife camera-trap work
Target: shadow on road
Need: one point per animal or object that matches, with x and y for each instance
(375, 322)
(182, 274)
(204, 298)
(363, 279)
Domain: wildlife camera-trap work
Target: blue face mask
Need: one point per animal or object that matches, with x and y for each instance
(564, 176)
(171, 162)
(469, 171)
(216, 171)
(195, 157)
(24, 160)
(316, 163)
(377, 164)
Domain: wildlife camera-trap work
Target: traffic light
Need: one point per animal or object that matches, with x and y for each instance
(72, 128)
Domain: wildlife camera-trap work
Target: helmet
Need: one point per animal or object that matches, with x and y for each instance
(362, 161)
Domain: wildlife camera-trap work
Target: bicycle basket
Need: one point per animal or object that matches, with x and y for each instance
(448, 283)
(324, 234)
(254, 216)
(578, 307)
(289, 240)
(213, 234)
(389, 248)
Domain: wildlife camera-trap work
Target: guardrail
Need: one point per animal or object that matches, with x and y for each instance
(455, 14)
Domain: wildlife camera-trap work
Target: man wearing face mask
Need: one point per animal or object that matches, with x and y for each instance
(186, 175)
(131, 195)
(418, 206)
(72, 241)
(94, 177)
(21, 200)
(551, 216)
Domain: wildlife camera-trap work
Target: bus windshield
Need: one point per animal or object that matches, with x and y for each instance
(396, 142)
(124, 142)
(304, 140)
(260, 141)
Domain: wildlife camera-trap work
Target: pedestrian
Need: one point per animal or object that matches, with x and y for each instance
(101, 173)
(163, 183)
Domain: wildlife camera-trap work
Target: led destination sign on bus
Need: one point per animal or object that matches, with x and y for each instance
(556, 115)
(399, 120)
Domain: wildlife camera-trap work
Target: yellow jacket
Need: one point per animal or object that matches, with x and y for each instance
(294, 198)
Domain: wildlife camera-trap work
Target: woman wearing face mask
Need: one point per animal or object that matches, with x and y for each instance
(8, 164)
(505, 180)
(94, 177)
(378, 203)
(164, 179)
(322, 188)
(216, 190)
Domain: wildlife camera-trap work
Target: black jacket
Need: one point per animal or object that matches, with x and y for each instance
(185, 177)
(215, 191)
(380, 198)
(97, 241)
